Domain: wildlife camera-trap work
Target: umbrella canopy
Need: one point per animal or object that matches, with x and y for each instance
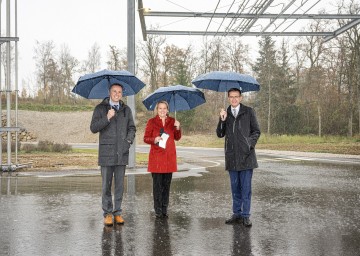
(178, 97)
(96, 85)
(222, 81)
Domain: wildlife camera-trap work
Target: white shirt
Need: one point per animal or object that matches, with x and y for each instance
(114, 104)
(237, 110)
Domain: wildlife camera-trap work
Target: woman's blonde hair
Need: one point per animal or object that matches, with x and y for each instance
(157, 105)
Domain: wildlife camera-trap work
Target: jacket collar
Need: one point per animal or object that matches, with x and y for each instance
(106, 102)
(242, 109)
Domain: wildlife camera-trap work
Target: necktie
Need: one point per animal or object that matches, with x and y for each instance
(234, 112)
(116, 107)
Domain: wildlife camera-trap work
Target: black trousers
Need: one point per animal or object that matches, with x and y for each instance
(161, 191)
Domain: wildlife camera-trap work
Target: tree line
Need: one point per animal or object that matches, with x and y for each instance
(308, 86)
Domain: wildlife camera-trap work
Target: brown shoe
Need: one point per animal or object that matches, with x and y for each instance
(108, 220)
(119, 219)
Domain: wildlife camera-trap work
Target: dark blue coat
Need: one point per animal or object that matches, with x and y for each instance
(241, 135)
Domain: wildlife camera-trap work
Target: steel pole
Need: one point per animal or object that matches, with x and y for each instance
(131, 99)
(16, 88)
(1, 88)
(131, 67)
(8, 84)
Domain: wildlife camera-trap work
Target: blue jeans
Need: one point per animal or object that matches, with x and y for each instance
(241, 191)
(107, 174)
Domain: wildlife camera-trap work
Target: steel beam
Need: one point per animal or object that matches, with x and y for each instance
(251, 15)
(342, 29)
(214, 33)
(142, 12)
(5, 39)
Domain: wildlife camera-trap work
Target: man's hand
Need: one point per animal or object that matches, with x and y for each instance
(110, 114)
(223, 114)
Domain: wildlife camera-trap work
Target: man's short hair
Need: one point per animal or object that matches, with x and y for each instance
(234, 90)
(117, 85)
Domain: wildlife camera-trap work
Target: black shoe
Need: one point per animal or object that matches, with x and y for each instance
(234, 220)
(247, 222)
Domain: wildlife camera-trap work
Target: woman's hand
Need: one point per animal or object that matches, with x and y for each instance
(177, 125)
(157, 139)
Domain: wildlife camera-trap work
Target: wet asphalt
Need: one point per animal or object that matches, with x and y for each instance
(298, 208)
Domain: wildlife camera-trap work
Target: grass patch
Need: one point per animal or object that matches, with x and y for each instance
(141, 159)
(85, 150)
(46, 146)
(307, 143)
(306, 139)
(303, 143)
(55, 107)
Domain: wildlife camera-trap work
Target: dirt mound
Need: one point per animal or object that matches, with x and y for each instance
(59, 127)
(66, 127)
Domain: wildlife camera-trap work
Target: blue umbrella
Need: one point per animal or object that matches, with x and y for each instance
(96, 85)
(222, 81)
(178, 97)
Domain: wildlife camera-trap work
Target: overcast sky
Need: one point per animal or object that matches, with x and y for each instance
(81, 23)
(76, 23)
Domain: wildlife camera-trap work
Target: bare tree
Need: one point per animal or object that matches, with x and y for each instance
(93, 62)
(67, 68)
(44, 57)
(150, 55)
(314, 50)
(113, 62)
(213, 56)
(168, 62)
(237, 54)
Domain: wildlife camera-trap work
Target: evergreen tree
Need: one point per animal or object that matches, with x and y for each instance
(266, 69)
(285, 112)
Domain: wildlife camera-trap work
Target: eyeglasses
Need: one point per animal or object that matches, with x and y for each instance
(234, 97)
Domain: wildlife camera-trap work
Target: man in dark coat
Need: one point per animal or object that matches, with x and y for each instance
(114, 122)
(241, 130)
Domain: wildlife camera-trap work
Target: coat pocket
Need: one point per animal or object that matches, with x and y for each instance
(107, 147)
(229, 146)
(127, 145)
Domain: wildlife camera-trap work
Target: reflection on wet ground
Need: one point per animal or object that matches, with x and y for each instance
(297, 210)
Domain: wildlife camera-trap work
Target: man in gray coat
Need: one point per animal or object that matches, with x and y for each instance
(114, 122)
(241, 130)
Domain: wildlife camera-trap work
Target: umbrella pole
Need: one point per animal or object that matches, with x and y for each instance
(224, 100)
(174, 104)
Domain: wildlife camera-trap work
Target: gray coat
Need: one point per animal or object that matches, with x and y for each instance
(241, 135)
(115, 136)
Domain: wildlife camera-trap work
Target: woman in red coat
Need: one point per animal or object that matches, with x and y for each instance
(162, 157)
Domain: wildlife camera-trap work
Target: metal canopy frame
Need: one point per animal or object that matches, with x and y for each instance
(9, 85)
(259, 13)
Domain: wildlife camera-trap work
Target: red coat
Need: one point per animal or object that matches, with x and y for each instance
(162, 160)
